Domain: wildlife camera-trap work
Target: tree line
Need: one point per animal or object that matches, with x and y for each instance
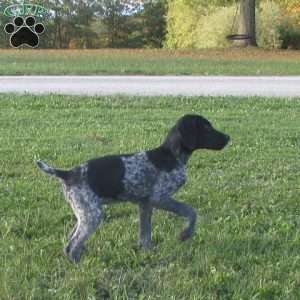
(153, 23)
(99, 23)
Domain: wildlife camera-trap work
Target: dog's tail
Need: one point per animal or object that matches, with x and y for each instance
(63, 174)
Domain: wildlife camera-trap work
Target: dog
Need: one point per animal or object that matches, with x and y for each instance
(148, 178)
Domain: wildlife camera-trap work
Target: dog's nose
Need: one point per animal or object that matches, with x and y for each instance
(227, 138)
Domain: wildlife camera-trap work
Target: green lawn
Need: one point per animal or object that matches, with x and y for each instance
(247, 241)
(149, 62)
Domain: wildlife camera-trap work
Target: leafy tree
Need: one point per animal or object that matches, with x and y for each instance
(84, 15)
(288, 4)
(3, 20)
(182, 19)
(60, 27)
(116, 16)
(154, 23)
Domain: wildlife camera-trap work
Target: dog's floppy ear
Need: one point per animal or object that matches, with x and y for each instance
(173, 141)
(187, 129)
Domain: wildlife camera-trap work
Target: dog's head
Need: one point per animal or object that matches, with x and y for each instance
(192, 132)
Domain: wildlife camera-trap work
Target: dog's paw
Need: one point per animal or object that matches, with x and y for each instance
(185, 234)
(146, 245)
(73, 256)
(24, 32)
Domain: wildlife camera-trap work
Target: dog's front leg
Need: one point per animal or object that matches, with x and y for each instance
(180, 209)
(145, 212)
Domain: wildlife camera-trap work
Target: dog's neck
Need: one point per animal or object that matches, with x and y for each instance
(174, 145)
(183, 157)
(180, 154)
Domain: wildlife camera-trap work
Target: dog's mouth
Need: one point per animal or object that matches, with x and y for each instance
(221, 145)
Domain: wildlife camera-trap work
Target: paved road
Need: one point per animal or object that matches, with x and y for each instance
(154, 85)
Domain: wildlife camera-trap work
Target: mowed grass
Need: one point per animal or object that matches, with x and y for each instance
(247, 241)
(149, 62)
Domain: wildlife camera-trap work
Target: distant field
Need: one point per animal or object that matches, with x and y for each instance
(150, 62)
(247, 241)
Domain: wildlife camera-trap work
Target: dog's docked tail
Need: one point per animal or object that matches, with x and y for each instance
(63, 174)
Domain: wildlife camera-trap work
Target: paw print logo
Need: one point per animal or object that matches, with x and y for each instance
(24, 32)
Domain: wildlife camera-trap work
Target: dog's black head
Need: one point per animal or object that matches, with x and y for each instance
(193, 132)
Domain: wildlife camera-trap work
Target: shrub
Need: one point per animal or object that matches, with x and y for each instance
(289, 31)
(268, 20)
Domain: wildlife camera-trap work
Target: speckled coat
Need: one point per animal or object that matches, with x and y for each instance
(148, 178)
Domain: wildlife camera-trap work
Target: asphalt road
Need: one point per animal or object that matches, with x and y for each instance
(154, 85)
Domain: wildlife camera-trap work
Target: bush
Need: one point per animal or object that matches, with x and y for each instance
(268, 21)
(289, 31)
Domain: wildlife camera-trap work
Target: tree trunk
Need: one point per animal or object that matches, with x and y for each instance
(247, 23)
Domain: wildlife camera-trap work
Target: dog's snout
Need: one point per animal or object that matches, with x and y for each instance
(222, 141)
(226, 139)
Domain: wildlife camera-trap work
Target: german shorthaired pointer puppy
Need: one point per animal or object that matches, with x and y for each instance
(148, 178)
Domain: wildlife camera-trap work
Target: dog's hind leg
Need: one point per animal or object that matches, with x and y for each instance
(70, 235)
(87, 209)
(86, 226)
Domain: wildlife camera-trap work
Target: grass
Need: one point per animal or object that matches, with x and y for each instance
(149, 62)
(247, 242)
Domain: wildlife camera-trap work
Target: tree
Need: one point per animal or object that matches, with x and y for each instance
(154, 24)
(97, 23)
(117, 16)
(247, 24)
(60, 28)
(69, 23)
(4, 39)
(82, 19)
